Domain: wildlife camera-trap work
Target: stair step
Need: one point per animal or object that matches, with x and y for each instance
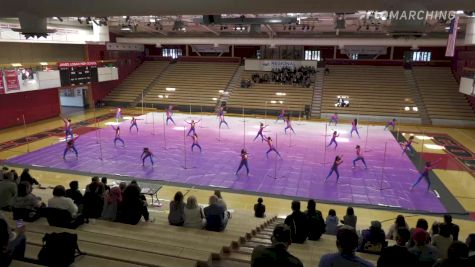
(261, 241)
(240, 257)
(244, 250)
(263, 236)
(229, 263)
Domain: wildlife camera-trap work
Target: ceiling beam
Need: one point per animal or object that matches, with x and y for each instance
(293, 41)
(270, 31)
(94, 8)
(209, 29)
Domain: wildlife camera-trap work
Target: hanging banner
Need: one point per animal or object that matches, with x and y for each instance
(11, 80)
(2, 87)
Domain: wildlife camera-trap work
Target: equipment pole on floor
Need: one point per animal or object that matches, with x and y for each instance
(26, 134)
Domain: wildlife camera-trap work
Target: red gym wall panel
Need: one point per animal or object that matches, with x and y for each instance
(35, 105)
(127, 62)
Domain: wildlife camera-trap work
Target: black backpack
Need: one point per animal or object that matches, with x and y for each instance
(59, 249)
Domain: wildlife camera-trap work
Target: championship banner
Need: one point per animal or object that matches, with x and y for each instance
(2, 87)
(11, 80)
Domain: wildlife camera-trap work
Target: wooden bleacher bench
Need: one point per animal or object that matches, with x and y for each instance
(120, 254)
(81, 261)
(144, 245)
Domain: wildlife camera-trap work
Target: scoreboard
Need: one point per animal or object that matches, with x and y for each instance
(78, 73)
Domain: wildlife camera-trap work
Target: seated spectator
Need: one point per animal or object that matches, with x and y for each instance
(426, 254)
(220, 199)
(122, 186)
(442, 240)
(93, 199)
(373, 239)
(297, 222)
(25, 200)
(400, 223)
(5, 253)
(104, 182)
(111, 204)
(346, 242)
(75, 194)
(14, 176)
(421, 224)
(12, 243)
(26, 177)
(259, 208)
(350, 218)
(194, 215)
(60, 201)
(331, 223)
(398, 255)
(277, 254)
(8, 190)
(434, 229)
(3, 172)
(470, 242)
(457, 256)
(177, 214)
(315, 223)
(454, 229)
(215, 214)
(132, 207)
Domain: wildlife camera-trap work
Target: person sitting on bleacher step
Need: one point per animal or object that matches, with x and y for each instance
(216, 217)
(276, 255)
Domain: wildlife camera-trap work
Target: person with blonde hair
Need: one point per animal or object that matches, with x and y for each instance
(194, 215)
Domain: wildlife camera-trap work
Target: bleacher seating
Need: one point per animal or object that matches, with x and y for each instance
(439, 91)
(372, 90)
(149, 244)
(309, 252)
(135, 83)
(195, 83)
(255, 97)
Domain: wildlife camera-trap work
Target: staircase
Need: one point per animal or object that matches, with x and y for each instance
(240, 256)
(234, 83)
(138, 99)
(316, 110)
(414, 88)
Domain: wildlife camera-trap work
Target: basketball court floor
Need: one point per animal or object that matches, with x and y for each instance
(451, 175)
(300, 173)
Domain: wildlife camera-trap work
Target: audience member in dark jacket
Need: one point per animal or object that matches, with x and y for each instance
(26, 177)
(373, 239)
(297, 221)
(471, 248)
(454, 229)
(176, 216)
(132, 207)
(316, 224)
(398, 255)
(259, 208)
(75, 194)
(457, 256)
(216, 218)
(94, 199)
(276, 255)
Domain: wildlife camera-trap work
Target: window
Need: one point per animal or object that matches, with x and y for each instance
(312, 55)
(172, 52)
(421, 56)
(353, 56)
